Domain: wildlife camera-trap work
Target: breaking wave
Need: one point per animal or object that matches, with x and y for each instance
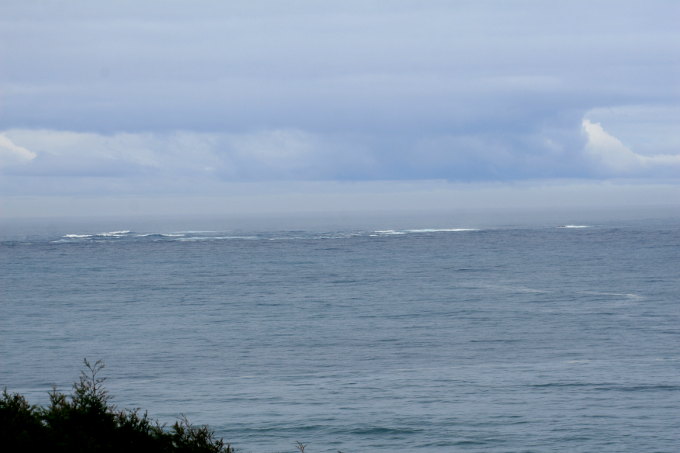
(201, 236)
(420, 231)
(441, 230)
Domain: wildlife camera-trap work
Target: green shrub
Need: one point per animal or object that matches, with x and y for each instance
(86, 421)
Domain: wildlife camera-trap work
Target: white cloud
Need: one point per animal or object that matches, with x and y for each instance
(614, 157)
(648, 129)
(69, 153)
(260, 155)
(11, 154)
(608, 150)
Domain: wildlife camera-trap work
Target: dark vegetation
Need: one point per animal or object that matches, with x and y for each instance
(86, 421)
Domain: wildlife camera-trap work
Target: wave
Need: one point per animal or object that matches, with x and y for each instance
(441, 230)
(214, 238)
(202, 236)
(161, 235)
(389, 232)
(107, 234)
(420, 231)
(574, 226)
(114, 233)
(384, 430)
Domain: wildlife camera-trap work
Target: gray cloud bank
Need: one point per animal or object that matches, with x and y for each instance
(162, 159)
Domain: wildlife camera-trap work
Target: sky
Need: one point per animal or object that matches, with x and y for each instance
(169, 106)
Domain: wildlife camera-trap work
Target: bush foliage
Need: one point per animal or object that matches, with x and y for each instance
(86, 421)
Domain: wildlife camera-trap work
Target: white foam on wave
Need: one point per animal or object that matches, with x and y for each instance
(389, 232)
(165, 235)
(114, 233)
(213, 238)
(441, 230)
(574, 226)
(337, 236)
(420, 230)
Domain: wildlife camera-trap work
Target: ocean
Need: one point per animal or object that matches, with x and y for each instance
(410, 337)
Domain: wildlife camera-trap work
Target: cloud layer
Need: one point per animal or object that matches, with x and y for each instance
(146, 97)
(612, 157)
(11, 154)
(166, 161)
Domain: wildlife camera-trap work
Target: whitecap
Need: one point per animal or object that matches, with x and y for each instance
(420, 230)
(213, 238)
(164, 235)
(77, 236)
(114, 233)
(337, 236)
(441, 230)
(574, 226)
(389, 232)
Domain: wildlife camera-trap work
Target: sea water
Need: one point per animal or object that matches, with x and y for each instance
(428, 338)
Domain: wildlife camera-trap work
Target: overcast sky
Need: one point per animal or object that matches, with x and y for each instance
(113, 100)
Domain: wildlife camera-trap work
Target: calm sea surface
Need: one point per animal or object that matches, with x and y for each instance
(455, 339)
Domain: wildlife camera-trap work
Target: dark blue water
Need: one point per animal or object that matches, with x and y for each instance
(527, 339)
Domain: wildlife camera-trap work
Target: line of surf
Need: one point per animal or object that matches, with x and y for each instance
(106, 234)
(420, 231)
(192, 236)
